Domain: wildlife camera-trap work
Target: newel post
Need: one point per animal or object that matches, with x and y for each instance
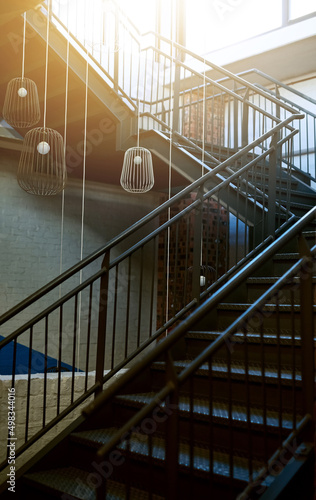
(103, 307)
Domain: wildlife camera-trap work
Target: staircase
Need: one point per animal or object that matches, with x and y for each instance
(215, 394)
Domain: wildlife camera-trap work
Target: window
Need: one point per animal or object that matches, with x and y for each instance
(300, 8)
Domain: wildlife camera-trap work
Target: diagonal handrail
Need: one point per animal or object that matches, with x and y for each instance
(139, 224)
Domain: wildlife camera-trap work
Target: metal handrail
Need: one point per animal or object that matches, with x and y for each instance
(279, 84)
(132, 229)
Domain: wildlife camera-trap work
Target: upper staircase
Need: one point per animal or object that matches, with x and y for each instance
(199, 319)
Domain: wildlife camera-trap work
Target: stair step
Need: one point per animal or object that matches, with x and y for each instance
(139, 446)
(238, 371)
(285, 337)
(74, 481)
(220, 411)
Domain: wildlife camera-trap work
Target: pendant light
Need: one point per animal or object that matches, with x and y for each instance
(21, 107)
(42, 168)
(137, 173)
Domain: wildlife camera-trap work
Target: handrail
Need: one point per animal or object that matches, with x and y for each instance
(279, 84)
(132, 229)
(231, 92)
(200, 312)
(220, 69)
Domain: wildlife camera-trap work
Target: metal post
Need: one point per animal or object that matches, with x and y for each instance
(236, 128)
(103, 306)
(197, 246)
(245, 118)
(307, 329)
(272, 187)
(172, 433)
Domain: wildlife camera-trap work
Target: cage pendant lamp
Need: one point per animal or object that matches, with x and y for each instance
(137, 173)
(42, 169)
(21, 108)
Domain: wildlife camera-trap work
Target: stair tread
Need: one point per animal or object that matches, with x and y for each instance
(273, 279)
(233, 306)
(74, 481)
(220, 410)
(255, 371)
(272, 337)
(139, 444)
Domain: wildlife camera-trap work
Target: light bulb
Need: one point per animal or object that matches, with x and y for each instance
(22, 92)
(202, 280)
(43, 148)
(138, 160)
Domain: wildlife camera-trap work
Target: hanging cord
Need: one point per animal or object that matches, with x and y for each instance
(83, 201)
(23, 51)
(46, 63)
(65, 146)
(169, 178)
(203, 148)
(138, 118)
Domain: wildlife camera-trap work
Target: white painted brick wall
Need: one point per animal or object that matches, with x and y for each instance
(36, 407)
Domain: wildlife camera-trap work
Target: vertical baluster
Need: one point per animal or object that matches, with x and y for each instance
(248, 403)
(103, 309)
(128, 293)
(88, 335)
(114, 318)
(191, 436)
(28, 397)
(153, 281)
(211, 427)
(230, 416)
(293, 349)
(279, 363)
(59, 357)
(140, 296)
(175, 300)
(45, 370)
(74, 349)
(264, 391)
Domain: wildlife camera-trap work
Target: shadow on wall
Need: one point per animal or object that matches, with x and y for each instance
(38, 362)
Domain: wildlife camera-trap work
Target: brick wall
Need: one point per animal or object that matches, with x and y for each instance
(193, 118)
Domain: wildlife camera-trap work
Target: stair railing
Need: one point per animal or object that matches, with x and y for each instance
(148, 75)
(108, 320)
(287, 295)
(305, 143)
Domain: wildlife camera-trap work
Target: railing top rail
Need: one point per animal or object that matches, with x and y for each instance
(139, 224)
(220, 69)
(285, 99)
(279, 84)
(201, 311)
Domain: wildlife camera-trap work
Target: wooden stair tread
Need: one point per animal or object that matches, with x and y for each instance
(283, 308)
(139, 446)
(220, 410)
(74, 481)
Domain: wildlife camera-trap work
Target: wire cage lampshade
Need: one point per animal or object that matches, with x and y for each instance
(21, 108)
(42, 167)
(137, 173)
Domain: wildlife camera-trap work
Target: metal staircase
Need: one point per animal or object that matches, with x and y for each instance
(215, 394)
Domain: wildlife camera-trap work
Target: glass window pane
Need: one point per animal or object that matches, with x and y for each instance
(220, 23)
(299, 8)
